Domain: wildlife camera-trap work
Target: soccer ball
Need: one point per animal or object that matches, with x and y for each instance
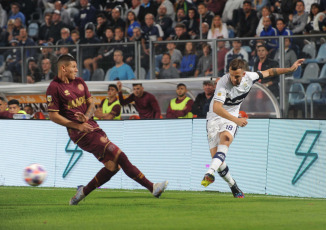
(34, 174)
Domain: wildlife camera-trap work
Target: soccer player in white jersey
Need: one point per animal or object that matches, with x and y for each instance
(223, 120)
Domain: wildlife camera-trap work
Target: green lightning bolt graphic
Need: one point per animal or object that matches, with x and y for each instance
(314, 156)
(73, 151)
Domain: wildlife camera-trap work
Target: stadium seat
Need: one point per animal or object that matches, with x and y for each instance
(86, 75)
(321, 56)
(313, 96)
(311, 72)
(33, 29)
(322, 74)
(297, 97)
(310, 49)
(98, 75)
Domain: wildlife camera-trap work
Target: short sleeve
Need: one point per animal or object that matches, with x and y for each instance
(52, 98)
(220, 92)
(87, 93)
(255, 76)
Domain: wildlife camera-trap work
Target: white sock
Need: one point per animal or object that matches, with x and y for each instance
(223, 171)
(218, 159)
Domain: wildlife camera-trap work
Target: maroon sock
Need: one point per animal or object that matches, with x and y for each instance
(103, 176)
(133, 172)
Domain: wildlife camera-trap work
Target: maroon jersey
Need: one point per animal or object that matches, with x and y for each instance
(67, 99)
(146, 105)
(6, 114)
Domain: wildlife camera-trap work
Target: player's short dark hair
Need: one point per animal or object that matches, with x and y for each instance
(2, 99)
(181, 84)
(114, 86)
(135, 84)
(237, 64)
(13, 102)
(65, 58)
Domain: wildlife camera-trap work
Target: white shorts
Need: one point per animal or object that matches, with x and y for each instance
(217, 126)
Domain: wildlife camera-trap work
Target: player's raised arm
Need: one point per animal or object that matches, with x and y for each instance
(219, 110)
(278, 71)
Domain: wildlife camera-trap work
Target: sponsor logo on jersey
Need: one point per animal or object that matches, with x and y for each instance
(67, 92)
(77, 102)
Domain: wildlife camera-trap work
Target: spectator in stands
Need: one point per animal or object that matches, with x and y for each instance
(314, 16)
(88, 53)
(14, 107)
(204, 30)
(247, 20)
(202, 101)
(266, 11)
(147, 7)
(259, 4)
(181, 17)
(110, 108)
(44, 32)
(168, 70)
(3, 105)
(204, 65)
(237, 52)
(180, 34)
(175, 54)
(135, 6)
(207, 16)
(216, 6)
(86, 15)
(253, 56)
(132, 22)
(47, 52)
(104, 59)
(150, 32)
(221, 52)
(188, 62)
(11, 56)
(33, 72)
(193, 24)
(65, 37)
(265, 63)
(116, 20)
(298, 22)
(47, 73)
(145, 103)
(65, 16)
(15, 12)
(183, 4)
(164, 21)
(17, 26)
(75, 38)
(3, 17)
(102, 24)
(10, 29)
(281, 28)
(56, 27)
(120, 71)
(180, 107)
(231, 7)
(63, 50)
(168, 6)
(218, 29)
(289, 55)
(269, 31)
(144, 58)
(128, 52)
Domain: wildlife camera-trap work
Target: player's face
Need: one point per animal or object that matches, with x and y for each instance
(138, 90)
(236, 76)
(112, 92)
(13, 108)
(181, 91)
(3, 106)
(71, 70)
(28, 110)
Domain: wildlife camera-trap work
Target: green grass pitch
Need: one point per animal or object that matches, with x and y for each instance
(47, 208)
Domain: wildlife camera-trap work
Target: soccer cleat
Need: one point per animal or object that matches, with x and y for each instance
(158, 188)
(208, 179)
(78, 196)
(237, 193)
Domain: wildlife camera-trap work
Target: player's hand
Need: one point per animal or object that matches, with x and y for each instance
(119, 85)
(81, 117)
(98, 113)
(242, 122)
(85, 128)
(296, 64)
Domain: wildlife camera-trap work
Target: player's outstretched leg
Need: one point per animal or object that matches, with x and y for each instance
(134, 173)
(103, 176)
(208, 179)
(223, 171)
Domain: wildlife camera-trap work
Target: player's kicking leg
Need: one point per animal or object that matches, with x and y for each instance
(223, 171)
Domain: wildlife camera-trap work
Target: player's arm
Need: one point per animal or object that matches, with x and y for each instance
(278, 71)
(219, 110)
(89, 112)
(57, 118)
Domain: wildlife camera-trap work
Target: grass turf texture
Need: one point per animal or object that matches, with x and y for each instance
(47, 208)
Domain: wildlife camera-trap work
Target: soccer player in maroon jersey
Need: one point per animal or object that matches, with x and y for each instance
(145, 103)
(70, 104)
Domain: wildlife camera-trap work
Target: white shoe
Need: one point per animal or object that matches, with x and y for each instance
(78, 196)
(158, 188)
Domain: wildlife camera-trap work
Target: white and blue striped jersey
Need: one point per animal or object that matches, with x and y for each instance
(232, 96)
